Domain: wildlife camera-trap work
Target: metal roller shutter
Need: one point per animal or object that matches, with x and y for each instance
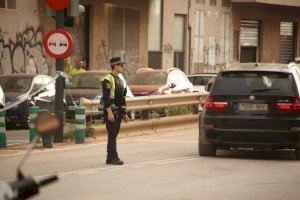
(132, 29)
(123, 33)
(249, 35)
(287, 42)
(115, 28)
(224, 42)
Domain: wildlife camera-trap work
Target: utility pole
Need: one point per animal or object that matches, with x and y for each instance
(59, 84)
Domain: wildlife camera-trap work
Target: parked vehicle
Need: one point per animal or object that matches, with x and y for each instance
(254, 107)
(148, 81)
(87, 85)
(200, 80)
(2, 98)
(18, 86)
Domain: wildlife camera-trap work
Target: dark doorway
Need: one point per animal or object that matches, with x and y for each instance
(248, 54)
(179, 45)
(179, 60)
(154, 59)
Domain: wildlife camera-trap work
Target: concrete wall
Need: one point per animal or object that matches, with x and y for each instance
(270, 16)
(21, 35)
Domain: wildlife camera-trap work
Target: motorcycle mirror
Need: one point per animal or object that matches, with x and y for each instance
(47, 124)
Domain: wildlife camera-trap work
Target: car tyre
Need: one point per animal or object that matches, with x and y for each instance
(297, 153)
(207, 150)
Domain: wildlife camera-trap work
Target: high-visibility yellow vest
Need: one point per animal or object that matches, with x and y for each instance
(111, 79)
(76, 71)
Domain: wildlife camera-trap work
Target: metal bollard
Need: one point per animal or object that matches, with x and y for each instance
(80, 124)
(46, 139)
(2, 130)
(33, 112)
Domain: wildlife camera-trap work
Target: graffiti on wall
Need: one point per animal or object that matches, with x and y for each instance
(168, 49)
(103, 54)
(24, 54)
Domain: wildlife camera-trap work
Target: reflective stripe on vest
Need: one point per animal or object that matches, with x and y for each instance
(111, 79)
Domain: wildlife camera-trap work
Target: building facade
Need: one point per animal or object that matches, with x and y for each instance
(193, 35)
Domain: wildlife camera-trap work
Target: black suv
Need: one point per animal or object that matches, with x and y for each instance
(253, 106)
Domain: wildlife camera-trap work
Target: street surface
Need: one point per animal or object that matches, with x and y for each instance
(164, 166)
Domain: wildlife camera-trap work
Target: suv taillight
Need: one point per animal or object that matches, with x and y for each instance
(294, 106)
(211, 104)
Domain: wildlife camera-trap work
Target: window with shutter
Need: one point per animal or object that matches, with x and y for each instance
(224, 43)
(179, 41)
(123, 33)
(8, 4)
(287, 42)
(199, 36)
(154, 34)
(249, 40)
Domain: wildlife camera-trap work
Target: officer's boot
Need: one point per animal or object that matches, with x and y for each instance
(108, 159)
(116, 160)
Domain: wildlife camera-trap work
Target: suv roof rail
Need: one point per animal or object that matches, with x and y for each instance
(144, 69)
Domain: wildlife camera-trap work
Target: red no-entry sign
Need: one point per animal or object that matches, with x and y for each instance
(58, 4)
(58, 43)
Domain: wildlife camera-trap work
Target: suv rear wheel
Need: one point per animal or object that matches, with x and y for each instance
(206, 149)
(297, 153)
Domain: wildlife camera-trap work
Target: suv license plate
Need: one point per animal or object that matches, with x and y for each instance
(253, 107)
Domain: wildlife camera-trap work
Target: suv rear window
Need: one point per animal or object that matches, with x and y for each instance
(247, 83)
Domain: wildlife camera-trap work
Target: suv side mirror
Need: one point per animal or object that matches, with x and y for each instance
(208, 87)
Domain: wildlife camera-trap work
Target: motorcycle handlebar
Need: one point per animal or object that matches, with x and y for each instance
(47, 180)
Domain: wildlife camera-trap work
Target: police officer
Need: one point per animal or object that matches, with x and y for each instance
(114, 92)
(79, 67)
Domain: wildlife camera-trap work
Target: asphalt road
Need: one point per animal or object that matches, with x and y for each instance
(163, 166)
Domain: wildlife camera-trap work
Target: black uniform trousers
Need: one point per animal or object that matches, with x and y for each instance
(113, 131)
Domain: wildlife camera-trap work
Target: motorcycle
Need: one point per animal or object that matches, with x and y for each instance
(25, 187)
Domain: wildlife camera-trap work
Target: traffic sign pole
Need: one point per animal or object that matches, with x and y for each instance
(59, 84)
(59, 44)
